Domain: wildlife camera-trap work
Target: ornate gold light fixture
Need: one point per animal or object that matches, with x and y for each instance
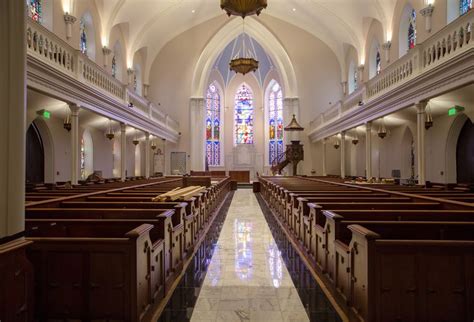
(110, 132)
(243, 65)
(67, 122)
(382, 132)
(429, 119)
(243, 8)
(135, 139)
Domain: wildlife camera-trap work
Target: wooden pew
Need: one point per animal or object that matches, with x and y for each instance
(95, 271)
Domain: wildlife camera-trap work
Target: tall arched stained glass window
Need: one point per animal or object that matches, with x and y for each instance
(83, 159)
(275, 122)
(35, 10)
(243, 115)
(378, 63)
(213, 126)
(412, 30)
(114, 67)
(83, 34)
(464, 6)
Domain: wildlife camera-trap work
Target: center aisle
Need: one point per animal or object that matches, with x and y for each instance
(247, 279)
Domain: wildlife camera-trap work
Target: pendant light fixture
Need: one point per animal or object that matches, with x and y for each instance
(355, 139)
(135, 139)
(336, 143)
(382, 132)
(110, 132)
(243, 8)
(67, 121)
(429, 119)
(243, 63)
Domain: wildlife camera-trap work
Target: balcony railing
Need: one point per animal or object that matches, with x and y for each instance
(449, 42)
(52, 50)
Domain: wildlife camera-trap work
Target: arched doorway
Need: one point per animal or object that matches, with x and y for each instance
(465, 154)
(34, 155)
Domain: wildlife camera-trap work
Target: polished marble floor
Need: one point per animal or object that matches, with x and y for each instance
(247, 279)
(247, 270)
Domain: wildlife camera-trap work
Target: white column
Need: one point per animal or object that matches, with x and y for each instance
(75, 156)
(343, 155)
(163, 151)
(147, 155)
(360, 78)
(368, 150)
(69, 20)
(123, 151)
(344, 87)
(13, 121)
(197, 133)
(324, 158)
(420, 140)
(146, 87)
(130, 73)
(427, 12)
(386, 47)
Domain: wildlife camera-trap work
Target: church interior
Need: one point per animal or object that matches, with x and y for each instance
(237, 160)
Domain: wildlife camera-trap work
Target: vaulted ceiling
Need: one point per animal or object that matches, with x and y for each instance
(151, 24)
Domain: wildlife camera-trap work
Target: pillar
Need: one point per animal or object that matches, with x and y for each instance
(343, 155)
(386, 47)
(344, 87)
(163, 151)
(13, 120)
(324, 158)
(75, 156)
(130, 73)
(123, 151)
(420, 141)
(147, 155)
(368, 150)
(427, 12)
(197, 133)
(146, 87)
(69, 20)
(360, 76)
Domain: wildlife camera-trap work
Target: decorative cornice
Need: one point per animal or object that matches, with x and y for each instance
(387, 45)
(106, 50)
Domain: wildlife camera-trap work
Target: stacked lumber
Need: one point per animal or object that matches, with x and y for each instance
(180, 194)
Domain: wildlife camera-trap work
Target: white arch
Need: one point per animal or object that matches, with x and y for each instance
(265, 38)
(451, 146)
(403, 29)
(48, 148)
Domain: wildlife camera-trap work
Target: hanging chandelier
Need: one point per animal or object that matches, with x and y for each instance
(429, 119)
(110, 132)
(67, 122)
(382, 132)
(244, 63)
(243, 8)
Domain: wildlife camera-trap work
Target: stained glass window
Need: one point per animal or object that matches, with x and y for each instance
(213, 126)
(83, 43)
(35, 10)
(83, 159)
(114, 67)
(464, 6)
(135, 82)
(275, 122)
(243, 115)
(356, 78)
(378, 63)
(412, 30)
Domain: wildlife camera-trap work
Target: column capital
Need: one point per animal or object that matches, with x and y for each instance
(130, 71)
(147, 135)
(368, 126)
(421, 106)
(123, 127)
(74, 109)
(69, 19)
(427, 11)
(106, 50)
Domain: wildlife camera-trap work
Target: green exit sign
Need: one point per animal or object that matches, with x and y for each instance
(455, 110)
(44, 113)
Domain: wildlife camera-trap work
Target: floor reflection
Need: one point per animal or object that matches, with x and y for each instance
(243, 249)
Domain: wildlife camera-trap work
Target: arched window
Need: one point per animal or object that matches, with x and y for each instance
(356, 75)
(412, 30)
(213, 126)
(243, 115)
(275, 121)
(378, 63)
(135, 83)
(83, 159)
(35, 10)
(83, 34)
(464, 6)
(114, 67)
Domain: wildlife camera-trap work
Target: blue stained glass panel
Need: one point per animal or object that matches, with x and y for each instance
(275, 122)
(464, 6)
(244, 115)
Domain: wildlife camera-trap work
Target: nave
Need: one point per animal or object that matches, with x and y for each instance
(252, 273)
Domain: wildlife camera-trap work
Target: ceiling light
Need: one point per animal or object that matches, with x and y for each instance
(193, 11)
(243, 8)
(294, 9)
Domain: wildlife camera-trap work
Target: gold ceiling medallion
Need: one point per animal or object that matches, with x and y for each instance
(243, 8)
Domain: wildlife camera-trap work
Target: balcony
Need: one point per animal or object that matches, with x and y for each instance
(59, 70)
(442, 63)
